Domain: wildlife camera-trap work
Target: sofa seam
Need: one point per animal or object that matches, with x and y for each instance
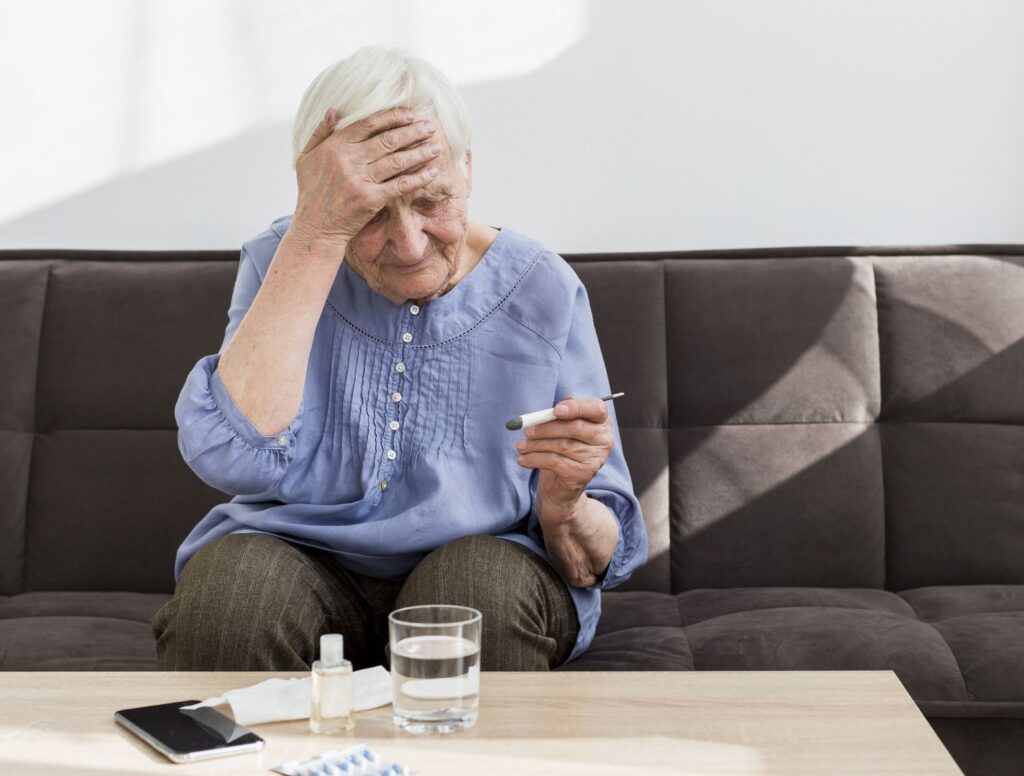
(956, 660)
(35, 427)
(973, 614)
(911, 605)
(875, 422)
(798, 606)
(75, 617)
(881, 447)
(668, 439)
(959, 668)
(963, 679)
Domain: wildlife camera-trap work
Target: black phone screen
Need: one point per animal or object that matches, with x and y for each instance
(196, 730)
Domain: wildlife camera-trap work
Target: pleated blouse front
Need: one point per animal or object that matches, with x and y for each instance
(399, 445)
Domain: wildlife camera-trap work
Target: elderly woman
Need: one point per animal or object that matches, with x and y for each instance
(377, 342)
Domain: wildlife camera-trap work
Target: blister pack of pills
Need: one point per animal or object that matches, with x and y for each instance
(358, 760)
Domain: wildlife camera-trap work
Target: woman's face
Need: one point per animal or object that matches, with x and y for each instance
(411, 249)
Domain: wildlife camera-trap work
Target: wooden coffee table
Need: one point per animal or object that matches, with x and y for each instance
(713, 722)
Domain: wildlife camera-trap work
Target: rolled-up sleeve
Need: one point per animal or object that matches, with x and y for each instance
(583, 374)
(218, 442)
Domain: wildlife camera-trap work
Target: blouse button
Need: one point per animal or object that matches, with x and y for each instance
(393, 425)
(282, 440)
(392, 455)
(400, 367)
(415, 309)
(383, 484)
(407, 337)
(396, 397)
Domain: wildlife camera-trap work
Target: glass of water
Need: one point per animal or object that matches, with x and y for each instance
(435, 667)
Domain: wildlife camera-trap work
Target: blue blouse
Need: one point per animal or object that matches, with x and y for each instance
(399, 444)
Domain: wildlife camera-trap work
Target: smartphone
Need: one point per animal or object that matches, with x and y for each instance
(187, 735)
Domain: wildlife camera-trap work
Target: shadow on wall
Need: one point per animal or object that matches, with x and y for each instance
(197, 201)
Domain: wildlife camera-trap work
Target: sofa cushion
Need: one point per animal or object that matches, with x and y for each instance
(137, 607)
(941, 602)
(771, 341)
(950, 338)
(108, 509)
(629, 610)
(642, 648)
(953, 496)
(957, 650)
(984, 627)
(989, 648)
(699, 605)
(951, 342)
(773, 387)
(78, 631)
(810, 638)
(792, 504)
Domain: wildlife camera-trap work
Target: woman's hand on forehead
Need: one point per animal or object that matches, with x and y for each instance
(345, 176)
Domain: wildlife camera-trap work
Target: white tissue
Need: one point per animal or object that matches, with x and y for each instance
(276, 700)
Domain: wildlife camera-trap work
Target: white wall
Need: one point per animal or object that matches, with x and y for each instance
(598, 126)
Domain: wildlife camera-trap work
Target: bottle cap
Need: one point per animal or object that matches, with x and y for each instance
(332, 649)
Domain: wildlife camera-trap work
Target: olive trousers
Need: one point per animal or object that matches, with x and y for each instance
(254, 602)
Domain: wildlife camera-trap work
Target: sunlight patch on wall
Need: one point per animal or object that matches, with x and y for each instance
(99, 90)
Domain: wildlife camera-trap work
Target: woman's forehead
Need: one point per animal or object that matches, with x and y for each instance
(437, 189)
(449, 179)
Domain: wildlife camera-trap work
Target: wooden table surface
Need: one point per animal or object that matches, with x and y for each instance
(687, 722)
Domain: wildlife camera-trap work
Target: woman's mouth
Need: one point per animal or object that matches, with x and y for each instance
(412, 267)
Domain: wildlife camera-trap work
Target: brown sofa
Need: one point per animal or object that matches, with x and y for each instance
(828, 444)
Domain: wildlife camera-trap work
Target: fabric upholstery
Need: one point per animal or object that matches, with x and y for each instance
(828, 445)
(646, 648)
(938, 603)
(984, 628)
(770, 410)
(790, 486)
(954, 495)
(78, 631)
(983, 747)
(952, 349)
(953, 648)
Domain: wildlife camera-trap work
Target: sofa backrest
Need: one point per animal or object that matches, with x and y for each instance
(811, 417)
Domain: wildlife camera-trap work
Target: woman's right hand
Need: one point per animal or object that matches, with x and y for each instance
(346, 176)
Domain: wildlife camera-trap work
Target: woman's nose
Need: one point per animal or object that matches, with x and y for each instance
(407, 238)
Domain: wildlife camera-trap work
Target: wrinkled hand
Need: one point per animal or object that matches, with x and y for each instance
(345, 176)
(569, 452)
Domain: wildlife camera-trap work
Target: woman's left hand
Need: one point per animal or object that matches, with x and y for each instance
(569, 451)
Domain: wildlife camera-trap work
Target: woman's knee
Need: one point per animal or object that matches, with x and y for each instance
(502, 579)
(465, 571)
(236, 573)
(528, 614)
(243, 601)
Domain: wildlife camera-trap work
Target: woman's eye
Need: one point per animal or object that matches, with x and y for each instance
(429, 204)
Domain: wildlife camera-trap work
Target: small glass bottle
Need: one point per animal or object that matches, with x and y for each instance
(331, 699)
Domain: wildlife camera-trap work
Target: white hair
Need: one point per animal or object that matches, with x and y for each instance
(374, 79)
